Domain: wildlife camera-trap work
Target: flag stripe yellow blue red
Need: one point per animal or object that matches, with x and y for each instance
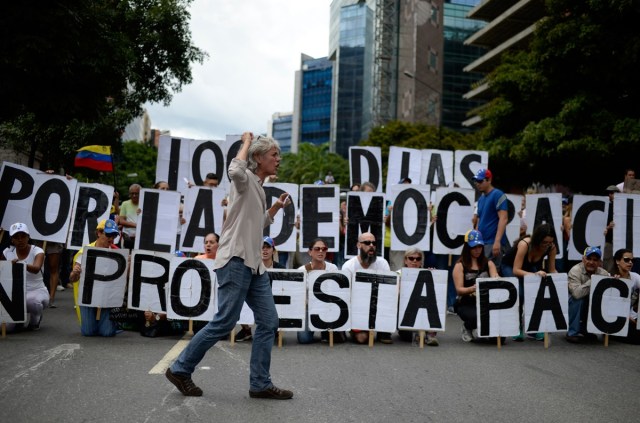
(96, 157)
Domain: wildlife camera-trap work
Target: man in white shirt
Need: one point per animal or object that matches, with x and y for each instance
(629, 175)
(367, 260)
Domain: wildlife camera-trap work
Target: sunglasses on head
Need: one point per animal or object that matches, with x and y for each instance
(320, 248)
(627, 259)
(367, 243)
(411, 258)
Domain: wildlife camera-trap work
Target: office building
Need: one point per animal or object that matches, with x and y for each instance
(312, 102)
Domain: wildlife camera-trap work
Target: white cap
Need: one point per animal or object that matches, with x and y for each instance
(18, 227)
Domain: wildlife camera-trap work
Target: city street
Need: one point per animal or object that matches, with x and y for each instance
(56, 375)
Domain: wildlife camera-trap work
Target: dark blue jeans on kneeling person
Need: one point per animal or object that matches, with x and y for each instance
(578, 314)
(236, 284)
(90, 326)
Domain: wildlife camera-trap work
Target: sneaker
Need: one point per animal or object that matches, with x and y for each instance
(519, 338)
(69, 286)
(450, 310)
(272, 393)
(243, 335)
(466, 335)
(35, 326)
(59, 288)
(474, 334)
(52, 305)
(539, 336)
(184, 384)
(432, 341)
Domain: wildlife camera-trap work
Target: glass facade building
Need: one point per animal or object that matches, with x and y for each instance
(352, 38)
(456, 82)
(315, 109)
(281, 130)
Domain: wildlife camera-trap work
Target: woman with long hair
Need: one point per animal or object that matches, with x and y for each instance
(471, 265)
(531, 254)
(621, 268)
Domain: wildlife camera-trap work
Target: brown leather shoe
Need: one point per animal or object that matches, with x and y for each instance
(272, 393)
(184, 384)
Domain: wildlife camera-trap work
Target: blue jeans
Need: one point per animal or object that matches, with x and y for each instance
(89, 326)
(575, 314)
(304, 337)
(237, 284)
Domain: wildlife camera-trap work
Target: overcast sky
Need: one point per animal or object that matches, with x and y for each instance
(254, 49)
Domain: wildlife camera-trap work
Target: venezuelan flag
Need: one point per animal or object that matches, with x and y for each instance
(96, 157)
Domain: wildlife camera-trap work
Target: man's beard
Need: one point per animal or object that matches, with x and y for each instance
(366, 259)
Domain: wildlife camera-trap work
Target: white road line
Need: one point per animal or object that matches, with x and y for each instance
(169, 357)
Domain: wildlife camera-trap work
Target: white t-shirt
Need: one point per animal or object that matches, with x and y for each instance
(329, 267)
(353, 265)
(33, 280)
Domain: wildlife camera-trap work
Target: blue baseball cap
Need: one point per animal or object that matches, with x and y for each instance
(108, 226)
(593, 250)
(483, 174)
(473, 238)
(268, 240)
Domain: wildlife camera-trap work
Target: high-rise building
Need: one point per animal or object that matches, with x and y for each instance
(280, 128)
(312, 102)
(399, 60)
(457, 55)
(138, 129)
(420, 61)
(510, 26)
(351, 50)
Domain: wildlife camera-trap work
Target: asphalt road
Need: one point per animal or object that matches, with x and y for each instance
(56, 375)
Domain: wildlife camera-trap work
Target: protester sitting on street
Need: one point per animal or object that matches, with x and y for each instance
(268, 252)
(37, 296)
(367, 260)
(527, 256)
(106, 231)
(210, 246)
(623, 259)
(414, 258)
(318, 252)
(471, 265)
(579, 282)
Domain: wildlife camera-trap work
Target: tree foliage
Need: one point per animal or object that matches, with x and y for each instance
(311, 163)
(571, 98)
(80, 71)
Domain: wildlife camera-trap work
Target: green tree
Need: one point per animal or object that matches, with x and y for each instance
(571, 98)
(79, 71)
(311, 163)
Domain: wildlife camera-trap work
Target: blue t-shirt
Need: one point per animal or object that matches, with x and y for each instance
(488, 207)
